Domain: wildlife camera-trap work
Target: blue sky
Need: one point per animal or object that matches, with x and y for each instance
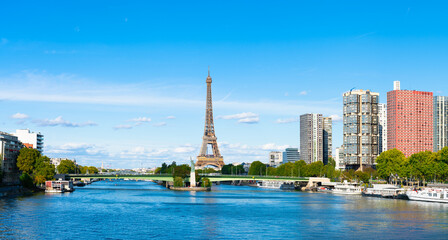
(124, 83)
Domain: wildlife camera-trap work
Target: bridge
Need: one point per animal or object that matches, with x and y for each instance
(169, 177)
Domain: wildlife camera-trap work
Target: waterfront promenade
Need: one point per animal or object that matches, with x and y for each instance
(144, 210)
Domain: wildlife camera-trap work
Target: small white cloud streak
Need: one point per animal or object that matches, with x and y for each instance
(124, 126)
(19, 116)
(59, 121)
(303, 93)
(160, 124)
(287, 120)
(171, 117)
(336, 118)
(141, 119)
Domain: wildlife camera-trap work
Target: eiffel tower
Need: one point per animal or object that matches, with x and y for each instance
(212, 158)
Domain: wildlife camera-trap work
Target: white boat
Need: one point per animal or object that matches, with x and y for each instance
(428, 195)
(59, 186)
(347, 188)
(385, 191)
(276, 185)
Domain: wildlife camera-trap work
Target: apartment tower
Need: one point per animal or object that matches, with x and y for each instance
(410, 121)
(360, 128)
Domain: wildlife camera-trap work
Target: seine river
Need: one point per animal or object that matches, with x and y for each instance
(144, 210)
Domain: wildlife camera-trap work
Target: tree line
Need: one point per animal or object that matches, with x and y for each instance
(37, 168)
(423, 166)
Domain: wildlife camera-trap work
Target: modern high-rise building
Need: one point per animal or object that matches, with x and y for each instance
(410, 121)
(339, 158)
(30, 139)
(360, 128)
(311, 137)
(327, 138)
(440, 113)
(382, 127)
(9, 151)
(291, 155)
(275, 159)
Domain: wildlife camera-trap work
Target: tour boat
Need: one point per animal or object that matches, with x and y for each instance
(276, 185)
(59, 186)
(428, 195)
(385, 191)
(347, 188)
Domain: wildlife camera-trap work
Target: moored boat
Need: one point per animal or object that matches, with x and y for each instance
(59, 186)
(428, 195)
(347, 188)
(276, 185)
(385, 191)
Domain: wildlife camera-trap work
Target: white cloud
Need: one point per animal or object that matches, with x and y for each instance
(303, 93)
(160, 124)
(59, 121)
(185, 149)
(249, 120)
(287, 120)
(20, 116)
(245, 117)
(336, 118)
(141, 119)
(171, 117)
(274, 147)
(124, 126)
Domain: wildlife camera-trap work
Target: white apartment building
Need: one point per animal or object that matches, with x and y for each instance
(30, 139)
(275, 159)
(382, 127)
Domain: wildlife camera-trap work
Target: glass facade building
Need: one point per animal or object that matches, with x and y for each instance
(440, 122)
(360, 128)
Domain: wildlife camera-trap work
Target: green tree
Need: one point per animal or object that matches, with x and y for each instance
(93, 170)
(206, 182)
(43, 170)
(26, 160)
(390, 162)
(26, 180)
(178, 182)
(66, 167)
(257, 168)
(181, 171)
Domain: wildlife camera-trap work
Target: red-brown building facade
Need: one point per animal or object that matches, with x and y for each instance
(410, 121)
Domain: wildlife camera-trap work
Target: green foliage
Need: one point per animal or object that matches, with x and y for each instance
(181, 171)
(66, 167)
(26, 180)
(390, 162)
(206, 182)
(178, 182)
(424, 165)
(257, 168)
(362, 176)
(43, 170)
(231, 169)
(27, 159)
(93, 170)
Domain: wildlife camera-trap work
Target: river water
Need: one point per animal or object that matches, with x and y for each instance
(144, 210)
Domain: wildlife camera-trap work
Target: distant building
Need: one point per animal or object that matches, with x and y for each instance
(440, 122)
(339, 158)
(311, 137)
(291, 155)
(382, 127)
(57, 161)
(9, 151)
(410, 121)
(327, 138)
(360, 128)
(275, 159)
(30, 139)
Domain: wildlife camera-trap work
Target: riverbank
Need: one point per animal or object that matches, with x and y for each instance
(15, 191)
